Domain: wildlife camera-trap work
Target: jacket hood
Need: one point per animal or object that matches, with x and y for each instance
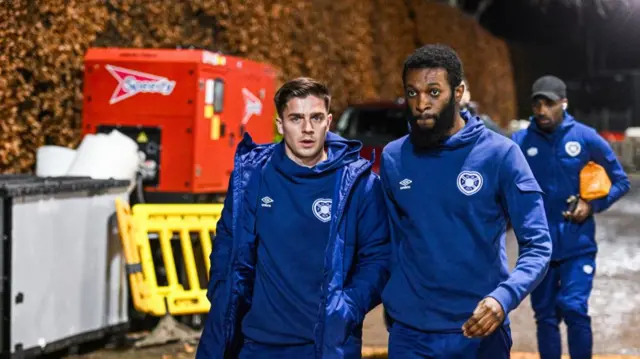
(468, 134)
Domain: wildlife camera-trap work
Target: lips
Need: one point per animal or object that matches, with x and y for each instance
(427, 122)
(543, 120)
(307, 143)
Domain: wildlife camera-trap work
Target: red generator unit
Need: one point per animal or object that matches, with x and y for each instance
(187, 110)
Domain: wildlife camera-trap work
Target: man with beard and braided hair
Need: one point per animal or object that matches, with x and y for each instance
(451, 186)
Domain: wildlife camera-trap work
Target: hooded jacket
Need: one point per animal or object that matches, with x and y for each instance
(449, 209)
(556, 160)
(356, 256)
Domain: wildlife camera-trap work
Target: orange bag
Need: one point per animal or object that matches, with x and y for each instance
(594, 182)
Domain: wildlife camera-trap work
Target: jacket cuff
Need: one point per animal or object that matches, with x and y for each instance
(597, 205)
(504, 297)
(353, 299)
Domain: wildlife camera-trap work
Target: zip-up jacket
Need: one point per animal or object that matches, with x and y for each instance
(449, 209)
(356, 256)
(556, 160)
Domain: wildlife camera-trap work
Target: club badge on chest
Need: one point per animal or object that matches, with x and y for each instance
(469, 182)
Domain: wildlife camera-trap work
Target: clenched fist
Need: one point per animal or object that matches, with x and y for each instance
(487, 317)
(582, 211)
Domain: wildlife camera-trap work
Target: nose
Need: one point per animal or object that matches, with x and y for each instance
(542, 111)
(307, 126)
(424, 104)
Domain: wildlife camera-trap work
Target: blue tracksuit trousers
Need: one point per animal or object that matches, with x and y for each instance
(564, 295)
(408, 343)
(255, 350)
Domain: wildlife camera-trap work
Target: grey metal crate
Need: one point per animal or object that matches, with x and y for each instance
(62, 265)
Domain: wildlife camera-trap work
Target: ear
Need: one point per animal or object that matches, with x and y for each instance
(329, 120)
(565, 104)
(459, 92)
(280, 126)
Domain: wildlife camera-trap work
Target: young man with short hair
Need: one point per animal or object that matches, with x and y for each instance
(301, 251)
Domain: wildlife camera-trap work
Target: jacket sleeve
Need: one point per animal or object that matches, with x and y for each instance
(213, 339)
(392, 212)
(221, 253)
(372, 259)
(517, 137)
(602, 154)
(521, 198)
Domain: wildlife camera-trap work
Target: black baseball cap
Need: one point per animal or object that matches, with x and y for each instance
(549, 87)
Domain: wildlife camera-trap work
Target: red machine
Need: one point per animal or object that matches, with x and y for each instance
(187, 110)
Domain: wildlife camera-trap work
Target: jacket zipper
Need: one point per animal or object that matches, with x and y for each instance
(556, 171)
(333, 234)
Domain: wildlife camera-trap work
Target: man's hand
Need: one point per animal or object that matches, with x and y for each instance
(487, 317)
(580, 213)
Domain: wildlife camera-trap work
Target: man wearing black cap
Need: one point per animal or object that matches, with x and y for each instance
(557, 147)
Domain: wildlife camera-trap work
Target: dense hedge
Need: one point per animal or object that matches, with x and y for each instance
(356, 46)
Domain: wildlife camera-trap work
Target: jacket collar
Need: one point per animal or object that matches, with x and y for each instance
(249, 152)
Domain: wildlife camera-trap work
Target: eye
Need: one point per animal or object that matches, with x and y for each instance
(434, 92)
(411, 93)
(318, 118)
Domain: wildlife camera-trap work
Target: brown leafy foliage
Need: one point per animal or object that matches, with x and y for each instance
(356, 46)
(40, 75)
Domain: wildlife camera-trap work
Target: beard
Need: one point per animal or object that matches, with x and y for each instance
(424, 139)
(546, 124)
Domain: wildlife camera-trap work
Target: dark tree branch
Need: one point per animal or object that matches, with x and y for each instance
(482, 7)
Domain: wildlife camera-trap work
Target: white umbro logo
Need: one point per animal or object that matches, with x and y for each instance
(266, 201)
(405, 183)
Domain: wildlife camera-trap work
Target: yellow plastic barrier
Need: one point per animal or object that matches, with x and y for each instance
(162, 224)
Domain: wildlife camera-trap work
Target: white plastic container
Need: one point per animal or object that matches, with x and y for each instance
(104, 156)
(88, 155)
(54, 161)
(126, 157)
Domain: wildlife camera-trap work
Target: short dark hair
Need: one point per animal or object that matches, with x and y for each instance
(301, 87)
(436, 56)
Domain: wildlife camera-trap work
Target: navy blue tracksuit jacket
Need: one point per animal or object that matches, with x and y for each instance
(449, 209)
(556, 160)
(355, 269)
